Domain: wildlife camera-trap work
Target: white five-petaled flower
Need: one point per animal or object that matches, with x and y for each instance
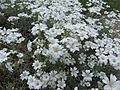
(56, 50)
(61, 84)
(24, 75)
(112, 83)
(74, 72)
(37, 65)
(87, 75)
(103, 59)
(37, 84)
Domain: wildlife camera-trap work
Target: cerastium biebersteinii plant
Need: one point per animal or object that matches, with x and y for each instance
(59, 45)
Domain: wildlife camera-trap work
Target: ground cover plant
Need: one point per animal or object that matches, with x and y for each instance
(59, 45)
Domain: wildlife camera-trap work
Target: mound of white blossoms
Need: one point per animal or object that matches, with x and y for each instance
(72, 47)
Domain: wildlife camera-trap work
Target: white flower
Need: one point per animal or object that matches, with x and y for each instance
(43, 26)
(37, 84)
(56, 50)
(12, 18)
(94, 89)
(83, 35)
(37, 65)
(112, 83)
(113, 60)
(82, 58)
(45, 77)
(103, 59)
(13, 1)
(102, 75)
(53, 76)
(35, 29)
(87, 75)
(20, 61)
(3, 56)
(20, 55)
(29, 46)
(59, 89)
(53, 32)
(53, 40)
(9, 67)
(30, 82)
(23, 15)
(74, 72)
(24, 75)
(11, 35)
(85, 83)
(76, 88)
(63, 34)
(20, 40)
(61, 84)
(90, 44)
(71, 44)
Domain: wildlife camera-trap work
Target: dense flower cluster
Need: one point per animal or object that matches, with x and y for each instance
(70, 47)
